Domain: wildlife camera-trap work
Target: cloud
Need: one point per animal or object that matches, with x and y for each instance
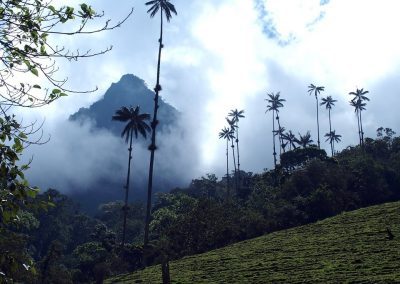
(79, 157)
(217, 57)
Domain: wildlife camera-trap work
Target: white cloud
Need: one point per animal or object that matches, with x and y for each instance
(217, 57)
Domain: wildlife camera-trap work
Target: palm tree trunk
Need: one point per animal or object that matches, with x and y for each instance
(319, 145)
(227, 168)
(330, 129)
(238, 157)
(359, 131)
(273, 136)
(280, 136)
(362, 131)
(127, 190)
(237, 147)
(234, 164)
(152, 146)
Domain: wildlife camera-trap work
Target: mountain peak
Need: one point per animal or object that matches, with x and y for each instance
(130, 90)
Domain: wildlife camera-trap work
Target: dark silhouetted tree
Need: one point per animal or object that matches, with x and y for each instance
(332, 137)
(358, 102)
(167, 8)
(316, 90)
(136, 124)
(226, 133)
(290, 138)
(274, 103)
(236, 115)
(329, 103)
(304, 140)
(233, 127)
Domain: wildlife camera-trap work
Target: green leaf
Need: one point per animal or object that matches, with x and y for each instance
(32, 192)
(37, 87)
(35, 71)
(51, 8)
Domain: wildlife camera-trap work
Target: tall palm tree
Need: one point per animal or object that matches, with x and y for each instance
(316, 90)
(280, 132)
(290, 138)
(358, 102)
(233, 127)
(274, 103)
(166, 8)
(304, 140)
(136, 125)
(332, 137)
(329, 103)
(226, 133)
(236, 115)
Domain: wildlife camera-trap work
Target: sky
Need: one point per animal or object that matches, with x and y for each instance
(228, 54)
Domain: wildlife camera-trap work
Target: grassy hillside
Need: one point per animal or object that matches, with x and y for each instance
(351, 247)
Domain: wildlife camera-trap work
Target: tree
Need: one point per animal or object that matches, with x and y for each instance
(28, 30)
(136, 124)
(280, 132)
(358, 102)
(290, 138)
(312, 88)
(332, 137)
(25, 28)
(226, 133)
(329, 103)
(233, 126)
(236, 115)
(167, 8)
(304, 140)
(274, 103)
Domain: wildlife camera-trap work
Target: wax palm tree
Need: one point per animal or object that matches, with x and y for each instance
(233, 127)
(290, 138)
(332, 137)
(280, 132)
(136, 125)
(329, 103)
(226, 133)
(166, 8)
(274, 103)
(236, 115)
(358, 102)
(304, 140)
(316, 90)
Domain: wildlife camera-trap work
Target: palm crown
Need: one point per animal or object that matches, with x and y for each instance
(328, 102)
(359, 94)
(274, 102)
(226, 133)
(312, 88)
(358, 105)
(164, 5)
(136, 121)
(236, 114)
(304, 140)
(332, 136)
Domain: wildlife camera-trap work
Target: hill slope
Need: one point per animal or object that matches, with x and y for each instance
(351, 247)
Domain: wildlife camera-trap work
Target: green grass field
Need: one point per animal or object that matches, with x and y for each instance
(349, 248)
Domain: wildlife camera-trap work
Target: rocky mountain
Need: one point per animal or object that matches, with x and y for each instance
(129, 91)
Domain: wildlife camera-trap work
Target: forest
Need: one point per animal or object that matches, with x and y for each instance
(45, 237)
